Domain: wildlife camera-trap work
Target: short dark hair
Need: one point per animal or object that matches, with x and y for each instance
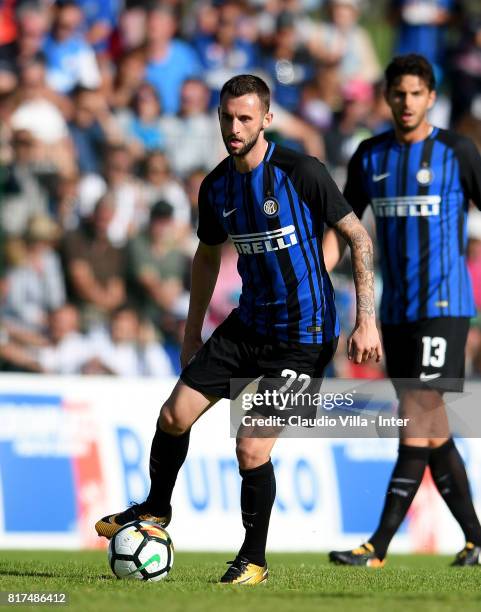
(68, 4)
(157, 7)
(161, 210)
(125, 307)
(412, 64)
(79, 90)
(243, 84)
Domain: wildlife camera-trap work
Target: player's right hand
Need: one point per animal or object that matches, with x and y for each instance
(190, 347)
(364, 343)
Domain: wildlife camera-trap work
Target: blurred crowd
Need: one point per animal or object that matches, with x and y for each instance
(108, 126)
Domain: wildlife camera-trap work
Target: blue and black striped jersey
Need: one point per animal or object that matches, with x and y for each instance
(420, 196)
(275, 216)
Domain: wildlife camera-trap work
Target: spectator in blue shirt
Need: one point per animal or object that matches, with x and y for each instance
(140, 123)
(169, 60)
(422, 28)
(92, 127)
(288, 63)
(101, 17)
(225, 54)
(70, 60)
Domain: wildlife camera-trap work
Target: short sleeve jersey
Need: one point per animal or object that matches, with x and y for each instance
(420, 195)
(275, 216)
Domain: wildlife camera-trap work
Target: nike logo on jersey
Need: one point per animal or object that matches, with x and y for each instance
(379, 177)
(424, 376)
(226, 213)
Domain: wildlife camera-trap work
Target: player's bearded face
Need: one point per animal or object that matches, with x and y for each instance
(240, 146)
(409, 99)
(241, 122)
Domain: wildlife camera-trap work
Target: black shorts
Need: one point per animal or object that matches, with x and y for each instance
(430, 353)
(236, 352)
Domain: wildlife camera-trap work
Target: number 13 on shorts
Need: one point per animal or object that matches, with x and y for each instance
(434, 351)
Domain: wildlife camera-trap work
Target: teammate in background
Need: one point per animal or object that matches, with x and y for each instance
(273, 203)
(419, 180)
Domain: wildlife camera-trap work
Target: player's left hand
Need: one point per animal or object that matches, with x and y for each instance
(364, 343)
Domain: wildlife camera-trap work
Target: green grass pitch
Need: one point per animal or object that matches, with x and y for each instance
(301, 581)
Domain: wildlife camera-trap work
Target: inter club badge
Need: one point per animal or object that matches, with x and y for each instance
(271, 206)
(425, 175)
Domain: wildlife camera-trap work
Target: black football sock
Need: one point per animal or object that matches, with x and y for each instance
(258, 492)
(405, 480)
(449, 475)
(167, 455)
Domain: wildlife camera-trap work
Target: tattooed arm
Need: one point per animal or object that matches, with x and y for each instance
(364, 342)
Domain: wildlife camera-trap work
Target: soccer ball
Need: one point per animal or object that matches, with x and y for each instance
(141, 550)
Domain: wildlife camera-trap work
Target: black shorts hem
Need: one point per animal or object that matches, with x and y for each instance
(219, 392)
(407, 360)
(233, 357)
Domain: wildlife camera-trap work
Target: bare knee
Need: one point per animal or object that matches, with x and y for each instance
(421, 399)
(170, 423)
(251, 453)
(182, 409)
(427, 421)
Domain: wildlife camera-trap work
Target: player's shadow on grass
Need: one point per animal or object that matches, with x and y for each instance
(39, 574)
(32, 574)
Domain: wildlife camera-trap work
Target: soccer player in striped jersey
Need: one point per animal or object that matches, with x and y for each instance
(273, 203)
(419, 180)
